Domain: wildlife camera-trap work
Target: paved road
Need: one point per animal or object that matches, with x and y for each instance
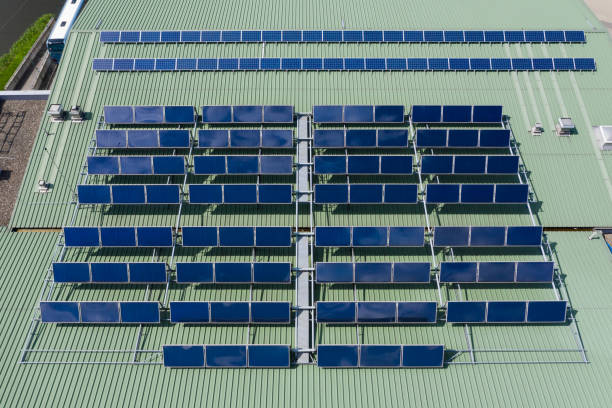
(16, 16)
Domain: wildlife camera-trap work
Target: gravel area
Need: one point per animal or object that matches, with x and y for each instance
(19, 122)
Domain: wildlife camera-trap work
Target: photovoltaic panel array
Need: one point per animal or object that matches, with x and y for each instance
(533, 311)
(379, 355)
(230, 312)
(470, 164)
(361, 138)
(366, 193)
(463, 138)
(146, 115)
(110, 272)
(510, 236)
(369, 236)
(358, 113)
(247, 114)
(142, 139)
(477, 193)
(236, 236)
(240, 193)
(227, 356)
(136, 165)
(151, 237)
(233, 272)
(100, 312)
(497, 272)
(373, 272)
(372, 165)
(245, 138)
(129, 194)
(243, 164)
(456, 114)
(377, 312)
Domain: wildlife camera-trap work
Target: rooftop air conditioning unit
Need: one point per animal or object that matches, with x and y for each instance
(565, 127)
(76, 114)
(603, 134)
(537, 129)
(56, 112)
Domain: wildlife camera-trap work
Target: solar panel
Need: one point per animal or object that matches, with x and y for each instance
(431, 138)
(154, 237)
(312, 64)
(109, 36)
(375, 64)
(81, 236)
(438, 64)
(554, 36)
(453, 36)
(416, 312)
(273, 236)
(389, 114)
(337, 356)
(480, 64)
(118, 236)
(501, 64)
(109, 272)
(269, 356)
(275, 194)
(442, 193)
(396, 64)
(469, 164)
(462, 138)
(584, 64)
(129, 36)
(119, 115)
(361, 137)
(170, 36)
(459, 64)
(330, 164)
(135, 165)
(99, 312)
(466, 312)
(275, 164)
(436, 164)
(369, 236)
(416, 64)
(142, 138)
(511, 193)
(236, 236)
(270, 312)
(363, 164)
(148, 114)
(294, 64)
(456, 114)
(270, 64)
(524, 236)
(522, 64)
(358, 114)
(230, 36)
(102, 64)
(271, 36)
(534, 36)
(150, 36)
(494, 138)
(388, 138)
(163, 194)
(229, 312)
(426, 114)
(147, 272)
(421, 356)
(71, 272)
(313, 36)
(487, 114)
(240, 193)
(461, 272)
(207, 64)
(336, 312)
(411, 272)
(406, 236)
(333, 64)
(366, 193)
(165, 64)
(496, 272)
(543, 64)
(393, 36)
(327, 113)
(332, 36)
(128, 194)
(183, 356)
(186, 64)
(233, 272)
(487, 236)
(59, 312)
(372, 36)
(413, 36)
(514, 36)
(477, 193)
(400, 193)
(535, 272)
(502, 164)
(506, 312)
(494, 36)
(334, 272)
(93, 194)
(373, 272)
(292, 36)
(248, 64)
(474, 36)
(451, 236)
(333, 236)
(194, 272)
(179, 115)
(380, 356)
(546, 311)
(174, 138)
(331, 193)
(226, 356)
(352, 36)
(575, 36)
(139, 312)
(209, 165)
(277, 114)
(247, 114)
(189, 312)
(227, 64)
(272, 272)
(434, 36)
(563, 64)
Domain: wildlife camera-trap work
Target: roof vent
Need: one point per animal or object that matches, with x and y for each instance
(603, 135)
(56, 111)
(537, 129)
(76, 114)
(565, 127)
(43, 187)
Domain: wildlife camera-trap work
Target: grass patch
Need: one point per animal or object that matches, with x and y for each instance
(11, 60)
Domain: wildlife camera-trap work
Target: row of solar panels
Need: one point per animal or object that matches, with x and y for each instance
(398, 138)
(159, 237)
(419, 272)
(100, 312)
(430, 164)
(342, 64)
(507, 236)
(380, 356)
(175, 165)
(145, 115)
(535, 311)
(198, 194)
(207, 138)
(227, 356)
(408, 193)
(186, 272)
(350, 36)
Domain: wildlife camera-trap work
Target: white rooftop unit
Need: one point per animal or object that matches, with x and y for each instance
(603, 135)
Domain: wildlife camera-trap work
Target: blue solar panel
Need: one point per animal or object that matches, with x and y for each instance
(363, 164)
(189, 312)
(535, 272)
(332, 36)
(426, 114)
(416, 64)
(170, 36)
(515, 36)
(406, 236)
(330, 165)
(502, 164)
(584, 64)
(312, 36)
(268, 64)
(329, 138)
(477, 193)
(139, 312)
(236, 236)
(438, 64)
(487, 114)
(148, 114)
(205, 194)
(273, 236)
(524, 236)
(118, 236)
(248, 64)
(183, 356)
(174, 138)
(245, 138)
(207, 64)
(165, 64)
(128, 194)
(228, 64)
(59, 312)
(336, 312)
(501, 64)
(226, 356)
(366, 193)
(494, 36)
(163, 194)
(333, 236)
(511, 193)
(271, 36)
(179, 114)
(575, 36)
(109, 36)
(466, 312)
(130, 36)
(393, 137)
(232, 272)
(395, 164)
(276, 137)
(506, 312)
(99, 312)
(554, 36)
(389, 114)
(480, 64)
(487, 236)
(272, 272)
(352, 36)
(434, 36)
(230, 36)
(456, 114)
(416, 312)
(459, 64)
(372, 36)
(240, 193)
(496, 272)
(522, 64)
(247, 114)
(94, 194)
(269, 356)
(209, 165)
(190, 36)
(413, 36)
(275, 194)
(451, 236)
(337, 356)
(494, 138)
(333, 64)
(278, 114)
(276, 164)
(462, 138)
(334, 272)
(436, 164)
(109, 272)
(375, 64)
(470, 164)
(396, 64)
(229, 312)
(142, 138)
(358, 114)
(369, 236)
(155, 237)
(147, 272)
(431, 138)
(453, 36)
(419, 356)
(270, 312)
(411, 272)
(119, 115)
(331, 193)
(71, 272)
(216, 114)
(400, 193)
(194, 272)
(442, 193)
(380, 356)
(293, 64)
(564, 64)
(546, 311)
(292, 36)
(102, 64)
(543, 64)
(474, 36)
(373, 272)
(534, 36)
(393, 36)
(150, 36)
(376, 312)
(462, 272)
